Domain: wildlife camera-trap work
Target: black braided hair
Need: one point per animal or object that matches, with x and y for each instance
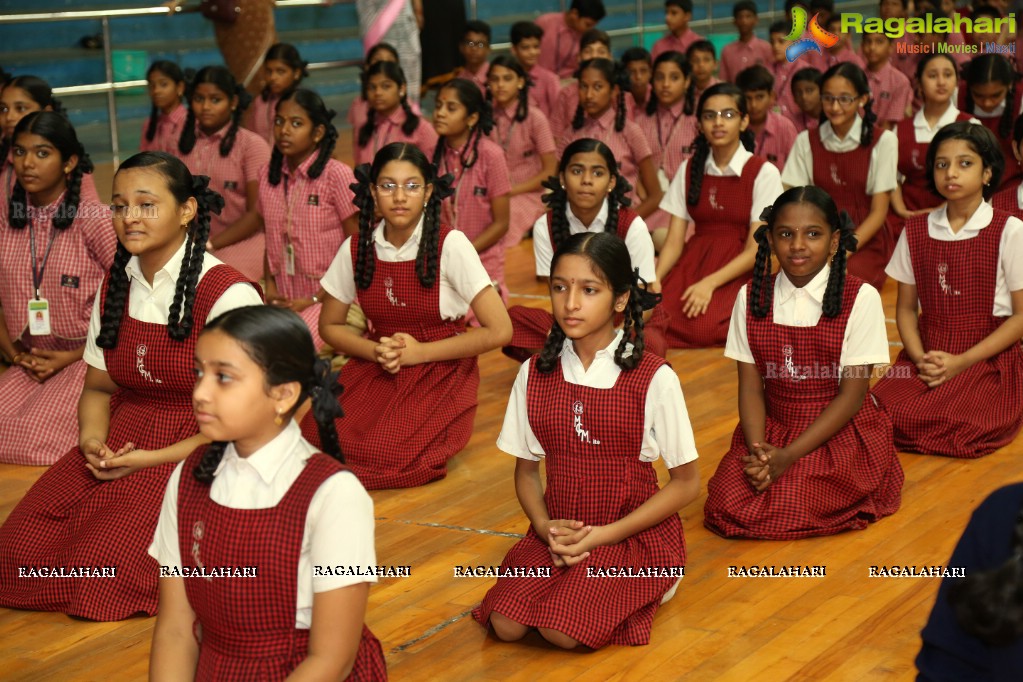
(989, 604)
(609, 258)
(981, 140)
(390, 71)
(169, 70)
(319, 115)
(59, 132)
(469, 95)
(993, 68)
(287, 53)
(679, 60)
(702, 145)
(182, 185)
(508, 62)
(428, 255)
(856, 76)
(279, 342)
(372, 57)
(617, 78)
(40, 92)
(221, 78)
(762, 288)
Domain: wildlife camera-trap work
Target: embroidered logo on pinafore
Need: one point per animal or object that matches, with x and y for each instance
(198, 531)
(389, 290)
(834, 175)
(946, 288)
(713, 199)
(914, 158)
(790, 367)
(577, 416)
(140, 353)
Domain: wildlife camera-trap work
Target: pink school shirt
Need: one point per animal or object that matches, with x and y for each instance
(559, 47)
(892, 93)
(261, 117)
(468, 209)
(629, 146)
(697, 91)
(844, 55)
(523, 142)
(389, 130)
(901, 58)
(568, 102)
(776, 139)
(739, 55)
(168, 132)
(670, 134)
(318, 206)
(672, 42)
(544, 90)
(229, 176)
(479, 78)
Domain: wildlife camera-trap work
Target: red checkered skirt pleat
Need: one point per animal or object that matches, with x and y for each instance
(399, 430)
(851, 480)
(246, 626)
(981, 409)
(69, 518)
(596, 484)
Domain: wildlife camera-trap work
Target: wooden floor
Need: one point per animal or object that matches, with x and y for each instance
(844, 626)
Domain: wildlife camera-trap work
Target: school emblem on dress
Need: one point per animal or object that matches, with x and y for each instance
(389, 290)
(790, 367)
(313, 200)
(198, 531)
(140, 353)
(834, 175)
(479, 191)
(230, 184)
(914, 158)
(713, 199)
(946, 288)
(577, 418)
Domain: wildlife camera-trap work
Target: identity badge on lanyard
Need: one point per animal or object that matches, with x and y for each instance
(289, 248)
(38, 307)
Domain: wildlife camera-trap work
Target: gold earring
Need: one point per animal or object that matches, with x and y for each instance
(277, 420)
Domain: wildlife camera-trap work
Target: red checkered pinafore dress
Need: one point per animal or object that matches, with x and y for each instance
(722, 225)
(853, 479)
(1011, 176)
(1008, 200)
(592, 438)
(246, 626)
(981, 409)
(843, 175)
(530, 326)
(399, 430)
(69, 518)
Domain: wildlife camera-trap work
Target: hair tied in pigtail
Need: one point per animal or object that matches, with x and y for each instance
(552, 185)
(647, 299)
(324, 391)
(207, 198)
(331, 114)
(847, 230)
(621, 191)
(760, 236)
(361, 186)
(765, 215)
(443, 187)
(84, 162)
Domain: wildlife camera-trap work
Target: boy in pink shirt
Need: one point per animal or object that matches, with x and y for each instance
(892, 91)
(748, 50)
(525, 47)
(475, 50)
(677, 15)
(559, 47)
(842, 50)
(774, 134)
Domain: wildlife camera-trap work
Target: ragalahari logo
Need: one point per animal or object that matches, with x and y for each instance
(819, 38)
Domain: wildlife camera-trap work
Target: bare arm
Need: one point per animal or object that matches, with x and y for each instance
(673, 245)
(8, 347)
(908, 321)
(697, 297)
(175, 653)
(500, 208)
(249, 224)
(944, 365)
(94, 408)
(333, 330)
(335, 634)
(533, 184)
(651, 187)
(752, 405)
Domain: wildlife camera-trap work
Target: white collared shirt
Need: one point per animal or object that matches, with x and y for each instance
(884, 157)
(637, 239)
(766, 186)
(461, 275)
(667, 432)
(923, 133)
(1010, 252)
(338, 526)
(866, 338)
(151, 303)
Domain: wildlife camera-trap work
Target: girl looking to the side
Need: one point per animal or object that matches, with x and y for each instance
(162, 130)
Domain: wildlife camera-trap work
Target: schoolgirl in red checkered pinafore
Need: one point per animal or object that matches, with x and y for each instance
(597, 484)
(69, 518)
(531, 325)
(400, 429)
(853, 479)
(913, 165)
(246, 633)
(843, 175)
(980, 409)
(1003, 74)
(1008, 200)
(722, 229)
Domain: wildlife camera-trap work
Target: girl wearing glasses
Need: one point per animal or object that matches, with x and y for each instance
(855, 162)
(306, 204)
(410, 388)
(722, 190)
